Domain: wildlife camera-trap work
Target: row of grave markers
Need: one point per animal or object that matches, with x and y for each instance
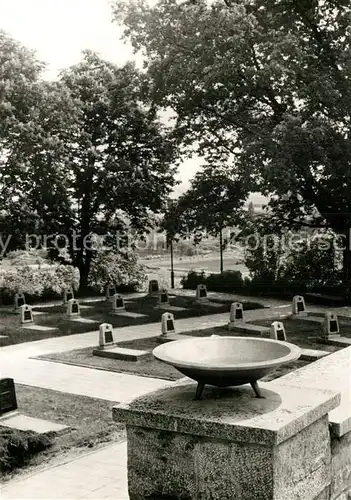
(116, 299)
(26, 311)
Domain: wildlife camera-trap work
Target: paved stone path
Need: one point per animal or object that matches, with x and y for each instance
(103, 473)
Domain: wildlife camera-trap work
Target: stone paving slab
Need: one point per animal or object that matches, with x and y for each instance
(97, 475)
(121, 353)
(172, 308)
(25, 423)
(130, 314)
(338, 341)
(39, 328)
(83, 320)
(309, 319)
(242, 327)
(313, 354)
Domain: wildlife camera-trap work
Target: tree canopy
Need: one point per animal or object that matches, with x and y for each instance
(266, 82)
(82, 154)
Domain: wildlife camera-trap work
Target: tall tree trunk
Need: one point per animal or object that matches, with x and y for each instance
(221, 250)
(347, 265)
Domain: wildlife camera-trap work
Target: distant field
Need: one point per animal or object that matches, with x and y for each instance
(210, 265)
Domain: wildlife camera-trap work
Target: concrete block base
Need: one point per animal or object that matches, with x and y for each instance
(229, 445)
(121, 353)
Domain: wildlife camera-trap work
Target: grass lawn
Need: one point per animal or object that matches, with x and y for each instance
(303, 334)
(89, 419)
(306, 334)
(100, 312)
(144, 367)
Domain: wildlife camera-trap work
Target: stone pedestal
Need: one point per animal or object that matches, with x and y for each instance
(229, 445)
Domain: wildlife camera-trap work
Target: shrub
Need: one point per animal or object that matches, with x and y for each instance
(192, 279)
(118, 268)
(18, 447)
(228, 281)
(34, 282)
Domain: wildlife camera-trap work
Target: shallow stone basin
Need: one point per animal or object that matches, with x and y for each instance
(226, 361)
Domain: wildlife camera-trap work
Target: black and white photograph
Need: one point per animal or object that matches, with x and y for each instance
(175, 249)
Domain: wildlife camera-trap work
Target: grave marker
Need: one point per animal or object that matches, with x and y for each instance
(330, 326)
(8, 401)
(105, 334)
(278, 331)
(201, 293)
(163, 298)
(153, 287)
(236, 312)
(117, 303)
(110, 291)
(68, 294)
(20, 300)
(73, 308)
(26, 314)
(167, 323)
(298, 306)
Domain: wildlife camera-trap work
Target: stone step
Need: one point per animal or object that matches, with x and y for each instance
(121, 353)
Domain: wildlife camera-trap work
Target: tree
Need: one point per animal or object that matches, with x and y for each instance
(92, 160)
(213, 202)
(118, 268)
(266, 81)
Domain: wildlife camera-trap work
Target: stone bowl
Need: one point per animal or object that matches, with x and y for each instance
(226, 361)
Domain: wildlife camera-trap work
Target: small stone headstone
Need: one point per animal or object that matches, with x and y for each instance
(68, 294)
(105, 334)
(167, 323)
(110, 291)
(26, 314)
(117, 303)
(201, 292)
(278, 331)
(153, 287)
(236, 312)
(330, 325)
(73, 308)
(163, 298)
(8, 401)
(20, 300)
(298, 306)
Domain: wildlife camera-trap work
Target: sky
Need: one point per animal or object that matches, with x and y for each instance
(58, 30)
